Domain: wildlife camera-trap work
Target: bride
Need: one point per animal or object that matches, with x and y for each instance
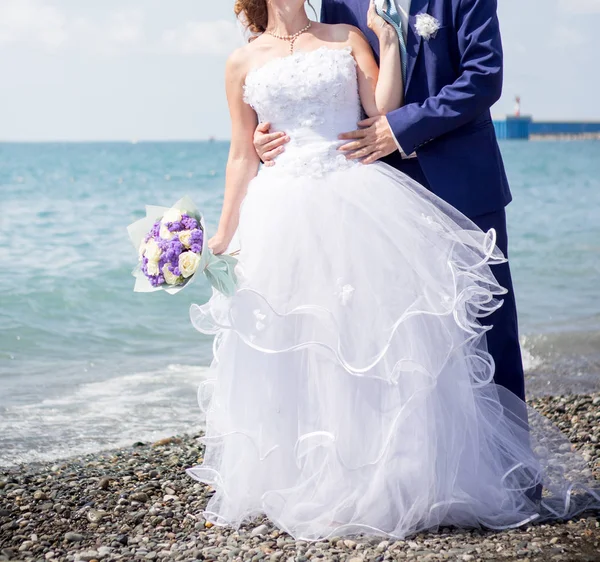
(351, 390)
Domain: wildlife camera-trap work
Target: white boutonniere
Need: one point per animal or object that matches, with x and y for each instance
(427, 26)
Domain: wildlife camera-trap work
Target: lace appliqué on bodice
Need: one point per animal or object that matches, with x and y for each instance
(312, 96)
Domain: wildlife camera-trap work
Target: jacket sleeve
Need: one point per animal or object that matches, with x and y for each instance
(477, 88)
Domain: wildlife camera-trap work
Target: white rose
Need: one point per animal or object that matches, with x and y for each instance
(185, 238)
(172, 215)
(170, 277)
(165, 233)
(152, 268)
(188, 263)
(152, 252)
(142, 249)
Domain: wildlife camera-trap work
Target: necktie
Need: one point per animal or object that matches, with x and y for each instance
(389, 12)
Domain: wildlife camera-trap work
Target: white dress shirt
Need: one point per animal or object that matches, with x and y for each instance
(403, 7)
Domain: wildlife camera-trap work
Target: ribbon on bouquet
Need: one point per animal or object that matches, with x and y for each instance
(220, 271)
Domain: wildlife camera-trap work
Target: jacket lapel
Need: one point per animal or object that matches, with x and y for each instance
(414, 41)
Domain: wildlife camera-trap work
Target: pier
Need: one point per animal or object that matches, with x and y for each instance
(524, 127)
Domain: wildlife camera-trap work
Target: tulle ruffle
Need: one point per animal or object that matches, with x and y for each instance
(351, 390)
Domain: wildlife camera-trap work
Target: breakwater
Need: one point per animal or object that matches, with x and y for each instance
(525, 128)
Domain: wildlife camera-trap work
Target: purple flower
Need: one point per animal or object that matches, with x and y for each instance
(162, 244)
(156, 280)
(189, 223)
(175, 226)
(197, 237)
(174, 248)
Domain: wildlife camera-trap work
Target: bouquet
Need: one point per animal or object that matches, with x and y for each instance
(171, 245)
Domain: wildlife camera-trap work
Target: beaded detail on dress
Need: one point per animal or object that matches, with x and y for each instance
(312, 96)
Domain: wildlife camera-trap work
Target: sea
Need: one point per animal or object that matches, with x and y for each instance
(86, 364)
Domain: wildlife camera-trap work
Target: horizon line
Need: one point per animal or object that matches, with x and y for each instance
(114, 141)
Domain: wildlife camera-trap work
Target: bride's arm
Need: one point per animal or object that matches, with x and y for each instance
(243, 161)
(381, 89)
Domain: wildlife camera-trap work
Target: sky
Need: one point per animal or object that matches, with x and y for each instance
(153, 69)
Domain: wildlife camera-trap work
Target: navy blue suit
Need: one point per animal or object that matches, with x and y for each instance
(452, 81)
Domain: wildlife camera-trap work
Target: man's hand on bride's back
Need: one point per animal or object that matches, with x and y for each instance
(269, 145)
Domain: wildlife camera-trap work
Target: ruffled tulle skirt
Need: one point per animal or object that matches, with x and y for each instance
(351, 390)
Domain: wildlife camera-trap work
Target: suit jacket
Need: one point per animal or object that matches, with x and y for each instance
(452, 81)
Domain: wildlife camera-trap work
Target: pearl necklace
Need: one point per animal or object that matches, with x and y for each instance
(291, 38)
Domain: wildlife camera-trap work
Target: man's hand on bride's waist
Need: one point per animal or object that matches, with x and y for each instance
(269, 145)
(373, 141)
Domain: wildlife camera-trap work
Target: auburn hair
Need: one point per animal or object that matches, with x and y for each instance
(254, 14)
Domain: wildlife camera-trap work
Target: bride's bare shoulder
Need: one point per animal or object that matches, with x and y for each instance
(239, 61)
(245, 58)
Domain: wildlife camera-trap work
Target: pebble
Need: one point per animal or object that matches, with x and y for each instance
(26, 545)
(95, 515)
(167, 441)
(139, 497)
(260, 530)
(138, 504)
(39, 495)
(87, 556)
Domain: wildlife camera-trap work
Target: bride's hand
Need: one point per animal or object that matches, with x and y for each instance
(378, 25)
(218, 244)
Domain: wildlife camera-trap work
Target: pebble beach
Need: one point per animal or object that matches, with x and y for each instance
(138, 504)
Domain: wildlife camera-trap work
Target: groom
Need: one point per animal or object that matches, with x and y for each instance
(443, 137)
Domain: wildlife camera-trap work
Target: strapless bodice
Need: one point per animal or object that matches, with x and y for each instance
(312, 96)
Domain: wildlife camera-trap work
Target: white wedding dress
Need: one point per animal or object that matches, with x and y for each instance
(351, 390)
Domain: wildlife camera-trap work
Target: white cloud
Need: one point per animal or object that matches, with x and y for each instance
(569, 36)
(202, 38)
(32, 21)
(117, 33)
(126, 28)
(581, 6)
(43, 24)
(40, 23)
